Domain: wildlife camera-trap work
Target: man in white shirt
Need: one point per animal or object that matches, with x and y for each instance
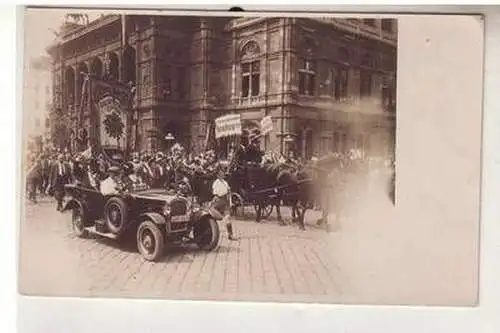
(110, 185)
(222, 200)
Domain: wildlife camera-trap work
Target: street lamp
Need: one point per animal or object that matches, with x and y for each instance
(169, 137)
(289, 138)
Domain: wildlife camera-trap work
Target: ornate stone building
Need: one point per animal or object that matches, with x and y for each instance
(328, 83)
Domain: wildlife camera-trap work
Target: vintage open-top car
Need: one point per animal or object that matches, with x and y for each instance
(156, 216)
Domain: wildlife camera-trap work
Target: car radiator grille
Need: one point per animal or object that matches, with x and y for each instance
(178, 208)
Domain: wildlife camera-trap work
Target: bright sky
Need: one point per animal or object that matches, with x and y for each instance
(39, 25)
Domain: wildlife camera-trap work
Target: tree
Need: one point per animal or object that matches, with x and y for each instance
(59, 130)
(114, 126)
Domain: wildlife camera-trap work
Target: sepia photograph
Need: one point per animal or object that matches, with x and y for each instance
(230, 157)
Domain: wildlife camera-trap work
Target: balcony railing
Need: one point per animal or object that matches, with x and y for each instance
(357, 27)
(243, 22)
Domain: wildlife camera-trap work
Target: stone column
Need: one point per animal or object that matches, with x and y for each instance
(353, 90)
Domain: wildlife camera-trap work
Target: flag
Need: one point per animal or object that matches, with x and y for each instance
(84, 88)
(87, 154)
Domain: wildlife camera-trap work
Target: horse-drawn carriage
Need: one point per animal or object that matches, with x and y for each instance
(267, 185)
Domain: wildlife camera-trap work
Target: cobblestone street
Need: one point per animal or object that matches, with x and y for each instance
(371, 257)
(265, 262)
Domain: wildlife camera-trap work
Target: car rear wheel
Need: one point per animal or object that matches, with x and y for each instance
(116, 215)
(78, 222)
(150, 241)
(207, 234)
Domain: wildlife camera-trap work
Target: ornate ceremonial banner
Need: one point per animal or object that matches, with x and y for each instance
(113, 122)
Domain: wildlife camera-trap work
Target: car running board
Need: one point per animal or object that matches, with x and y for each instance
(93, 230)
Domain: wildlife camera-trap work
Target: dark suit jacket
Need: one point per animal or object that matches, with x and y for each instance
(58, 181)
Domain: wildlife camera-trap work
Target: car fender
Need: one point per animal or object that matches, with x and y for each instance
(73, 203)
(211, 212)
(154, 217)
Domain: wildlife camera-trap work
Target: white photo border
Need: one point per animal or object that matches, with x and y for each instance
(83, 315)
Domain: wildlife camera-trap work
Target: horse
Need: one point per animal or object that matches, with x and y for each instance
(265, 184)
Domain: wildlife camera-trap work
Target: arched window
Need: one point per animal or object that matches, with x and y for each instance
(96, 67)
(307, 69)
(250, 69)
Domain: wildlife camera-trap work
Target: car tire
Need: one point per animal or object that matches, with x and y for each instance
(116, 224)
(150, 241)
(207, 234)
(78, 221)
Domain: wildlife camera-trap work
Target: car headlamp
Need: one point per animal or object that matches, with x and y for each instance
(166, 209)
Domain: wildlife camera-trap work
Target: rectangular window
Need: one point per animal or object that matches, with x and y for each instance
(341, 84)
(255, 84)
(167, 82)
(302, 83)
(387, 25)
(307, 78)
(250, 79)
(245, 86)
(370, 22)
(311, 84)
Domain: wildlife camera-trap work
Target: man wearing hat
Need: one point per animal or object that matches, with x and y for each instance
(78, 170)
(253, 153)
(159, 171)
(131, 179)
(112, 184)
(136, 162)
(59, 176)
(222, 199)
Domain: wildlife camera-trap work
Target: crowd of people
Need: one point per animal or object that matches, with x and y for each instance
(50, 171)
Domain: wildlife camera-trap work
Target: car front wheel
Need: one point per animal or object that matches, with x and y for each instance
(207, 234)
(150, 241)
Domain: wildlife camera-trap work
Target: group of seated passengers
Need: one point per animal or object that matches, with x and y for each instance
(118, 179)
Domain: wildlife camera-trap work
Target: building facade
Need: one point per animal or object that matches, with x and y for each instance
(37, 96)
(329, 84)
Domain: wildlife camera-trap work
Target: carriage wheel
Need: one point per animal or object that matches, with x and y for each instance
(266, 210)
(237, 208)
